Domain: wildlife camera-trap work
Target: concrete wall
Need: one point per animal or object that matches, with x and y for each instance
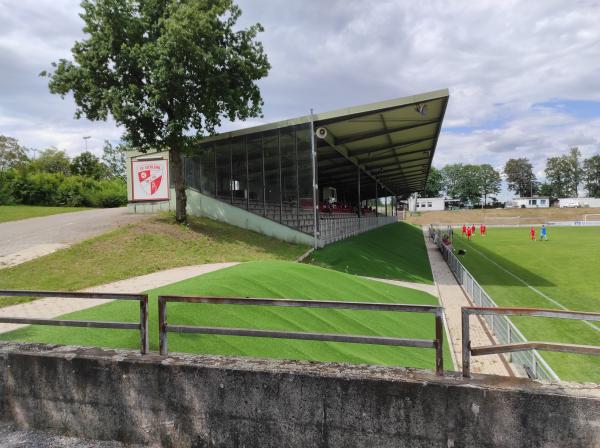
(199, 204)
(204, 401)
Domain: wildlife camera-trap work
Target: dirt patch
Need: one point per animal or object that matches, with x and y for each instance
(479, 216)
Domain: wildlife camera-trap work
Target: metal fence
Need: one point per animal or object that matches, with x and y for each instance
(505, 332)
(332, 229)
(518, 347)
(437, 343)
(141, 326)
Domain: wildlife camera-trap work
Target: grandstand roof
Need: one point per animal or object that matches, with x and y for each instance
(392, 142)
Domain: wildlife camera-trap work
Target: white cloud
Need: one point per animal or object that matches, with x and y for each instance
(499, 60)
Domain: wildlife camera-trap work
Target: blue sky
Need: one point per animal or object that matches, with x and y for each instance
(524, 77)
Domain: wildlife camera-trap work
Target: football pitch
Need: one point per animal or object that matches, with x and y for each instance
(562, 273)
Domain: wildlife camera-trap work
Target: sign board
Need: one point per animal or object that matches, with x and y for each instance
(150, 179)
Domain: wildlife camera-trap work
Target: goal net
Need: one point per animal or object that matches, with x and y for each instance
(501, 220)
(592, 217)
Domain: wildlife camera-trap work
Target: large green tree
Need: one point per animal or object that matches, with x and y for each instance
(591, 175)
(12, 155)
(87, 164)
(559, 177)
(114, 159)
(564, 174)
(451, 175)
(52, 160)
(489, 181)
(435, 183)
(520, 177)
(167, 70)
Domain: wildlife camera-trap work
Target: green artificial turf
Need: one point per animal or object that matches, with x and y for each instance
(275, 279)
(566, 269)
(16, 212)
(396, 251)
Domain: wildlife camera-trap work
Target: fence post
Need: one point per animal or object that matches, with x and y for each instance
(466, 345)
(439, 340)
(162, 326)
(144, 346)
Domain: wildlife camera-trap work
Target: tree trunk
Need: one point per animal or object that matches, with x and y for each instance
(179, 181)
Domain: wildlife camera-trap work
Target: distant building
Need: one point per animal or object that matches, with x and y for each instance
(426, 204)
(533, 202)
(578, 202)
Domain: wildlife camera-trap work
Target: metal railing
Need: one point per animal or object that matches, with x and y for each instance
(468, 351)
(437, 343)
(142, 326)
(503, 329)
(332, 229)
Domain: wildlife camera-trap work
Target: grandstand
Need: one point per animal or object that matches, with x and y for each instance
(321, 175)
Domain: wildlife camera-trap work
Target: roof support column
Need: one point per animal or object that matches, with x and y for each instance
(376, 200)
(313, 153)
(358, 190)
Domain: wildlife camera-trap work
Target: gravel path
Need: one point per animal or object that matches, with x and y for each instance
(52, 307)
(27, 239)
(452, 298)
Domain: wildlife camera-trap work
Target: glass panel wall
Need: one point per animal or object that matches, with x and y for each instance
(223, 151)
(239, 173)
(269, 173)
(289, 177)
(272, 175)
(255, 174)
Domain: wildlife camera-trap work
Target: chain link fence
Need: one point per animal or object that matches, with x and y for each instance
(505, 332)
(332, 229)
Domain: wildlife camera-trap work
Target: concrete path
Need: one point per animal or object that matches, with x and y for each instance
(52, 307)
(431, 289)
(27, 239)
(452, 297)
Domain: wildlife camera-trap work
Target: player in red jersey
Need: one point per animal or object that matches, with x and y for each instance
(464, 230)
(469, 232)
(473, 229)
(532, 233)
(481, 229)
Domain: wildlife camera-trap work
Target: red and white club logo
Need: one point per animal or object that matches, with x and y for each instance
(150, 176)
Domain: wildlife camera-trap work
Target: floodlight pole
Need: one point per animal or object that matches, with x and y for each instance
(313, 153)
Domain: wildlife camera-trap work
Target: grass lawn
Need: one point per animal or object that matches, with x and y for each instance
(16, 212)
(274, 279)
(396, 251)
(143, 248)
(565, 269)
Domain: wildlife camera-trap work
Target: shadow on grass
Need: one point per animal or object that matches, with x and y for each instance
(490, 268)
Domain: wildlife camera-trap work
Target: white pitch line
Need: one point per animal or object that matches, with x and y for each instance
(550, 299)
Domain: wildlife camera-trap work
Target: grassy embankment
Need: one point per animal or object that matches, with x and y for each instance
(396, 251)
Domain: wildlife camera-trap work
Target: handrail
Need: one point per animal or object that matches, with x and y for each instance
(469, 351)
(142, 326)
(436, 343)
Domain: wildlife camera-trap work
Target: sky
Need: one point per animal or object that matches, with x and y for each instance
(524, 76)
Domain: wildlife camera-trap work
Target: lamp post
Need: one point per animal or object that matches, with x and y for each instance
(85, 139)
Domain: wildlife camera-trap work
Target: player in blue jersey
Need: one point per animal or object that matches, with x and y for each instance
(544, 233)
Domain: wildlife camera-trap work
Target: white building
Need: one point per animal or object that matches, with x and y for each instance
(578, 202)
(426, 204)
(533, 202)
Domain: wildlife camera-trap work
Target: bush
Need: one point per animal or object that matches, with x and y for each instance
(56, 189)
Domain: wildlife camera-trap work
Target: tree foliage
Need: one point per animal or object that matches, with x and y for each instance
(52, 160)
(564, 174)
(591, 175)
(435, 183)
(12, 155)
(490, 181)
(520, 177)
(114, 159)
(167, 70)
(87, 164)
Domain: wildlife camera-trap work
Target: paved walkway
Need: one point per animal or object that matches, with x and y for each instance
(24, 240)
(452, 298)
(51, 307)
(431, 289)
